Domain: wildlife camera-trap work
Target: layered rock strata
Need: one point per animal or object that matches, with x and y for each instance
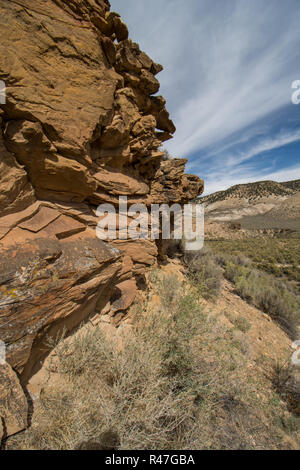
(82, 125)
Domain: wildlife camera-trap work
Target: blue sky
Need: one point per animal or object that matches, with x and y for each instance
(228, 71)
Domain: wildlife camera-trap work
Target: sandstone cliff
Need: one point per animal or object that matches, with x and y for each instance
(81, 126)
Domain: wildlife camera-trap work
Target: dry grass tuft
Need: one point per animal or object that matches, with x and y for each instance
(203, 271)
(286, 380)
(178, 382)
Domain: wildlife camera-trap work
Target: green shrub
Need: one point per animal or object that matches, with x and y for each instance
(286, 381)
(204, 272)
(266, 293)
(240, 322)
(277, 256)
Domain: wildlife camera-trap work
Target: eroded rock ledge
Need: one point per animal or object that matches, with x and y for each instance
(81, 126)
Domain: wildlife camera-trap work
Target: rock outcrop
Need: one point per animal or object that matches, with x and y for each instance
(13, 403)
(81, 126)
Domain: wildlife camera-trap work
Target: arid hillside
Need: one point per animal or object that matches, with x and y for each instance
(193, 366)
(261, 205)
(254, 191)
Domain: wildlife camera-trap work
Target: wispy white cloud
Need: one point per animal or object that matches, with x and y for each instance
(228, 65)
(229, 160)
(248, 74)
(265, 145)
(229, 169)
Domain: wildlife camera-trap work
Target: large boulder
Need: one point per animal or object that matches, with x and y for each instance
(16, 192)
(48, 285)
(13, 403)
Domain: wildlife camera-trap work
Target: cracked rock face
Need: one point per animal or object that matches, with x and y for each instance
(13, 403)
(47, 284)
(81, 126)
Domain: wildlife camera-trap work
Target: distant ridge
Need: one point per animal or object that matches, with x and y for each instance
(261, 205)
(254, 191)
(295, 185)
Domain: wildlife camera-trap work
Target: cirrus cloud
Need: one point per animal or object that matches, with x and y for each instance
(229, 66)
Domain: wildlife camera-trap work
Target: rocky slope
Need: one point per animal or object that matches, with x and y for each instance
(265, 204)
(235, 345)
(81, 126)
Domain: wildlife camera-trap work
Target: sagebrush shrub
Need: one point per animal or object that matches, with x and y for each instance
(266, 293)
(205, 273)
